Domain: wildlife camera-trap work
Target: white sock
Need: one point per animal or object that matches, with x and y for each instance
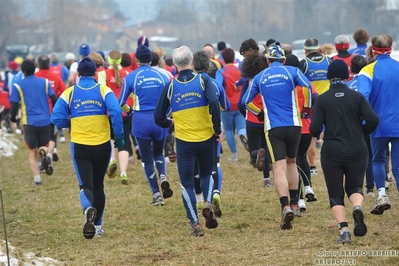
(381, 192)
(199, 197)
(123, 173)
(37, 178)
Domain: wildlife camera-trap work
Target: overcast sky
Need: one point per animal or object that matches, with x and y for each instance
(147, 10)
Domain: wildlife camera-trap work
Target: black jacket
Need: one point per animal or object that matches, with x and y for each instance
(347, 117)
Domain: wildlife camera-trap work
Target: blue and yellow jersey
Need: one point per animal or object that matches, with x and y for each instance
(144, 85)
(316, 72)
(33, 93)
(83, 108)
(190, 110)
(379, 83)
(277, 86)
(220, 93)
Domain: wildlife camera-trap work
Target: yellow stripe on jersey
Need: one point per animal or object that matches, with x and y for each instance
(368, 70)
(187, 123)
(24, 119)
(269, 146)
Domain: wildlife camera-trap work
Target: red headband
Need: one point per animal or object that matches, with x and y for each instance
(384, 50)
(342, 46)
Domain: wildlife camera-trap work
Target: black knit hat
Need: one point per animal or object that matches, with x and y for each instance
(87, 67)
(338, 69)
(28, 67)
(269, 42)
(221, 46)
(143, 54)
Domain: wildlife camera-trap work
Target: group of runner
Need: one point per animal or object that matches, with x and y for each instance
(264, 101)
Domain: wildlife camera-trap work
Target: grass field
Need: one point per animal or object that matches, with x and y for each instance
(47, 220)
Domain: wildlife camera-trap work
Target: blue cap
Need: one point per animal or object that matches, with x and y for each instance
(84, 49)
(87, 67)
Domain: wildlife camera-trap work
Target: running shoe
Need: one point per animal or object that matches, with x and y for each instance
(210, 218)
(62, 139)
(233, 158)
(313, 170)
(112, 167)
(45, 162)
(260, 159)
(196, 230)
(296, 210)
(37, 180)
(302, 205)
(309, 194)
(345, 238)
(99, 230)
(157, 201)
(360, 228)
(123, 179)
(200, 205)
(138, 154)
(89, 230)
(370, 192)
(216, 204)
(49, 168)
(383, 203)
(167, 192)
(171, 154)
(287, 217)
(244, 142)
(267, 182)
(55, 155)
(252, 162)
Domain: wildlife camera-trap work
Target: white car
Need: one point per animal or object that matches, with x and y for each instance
(297, 48)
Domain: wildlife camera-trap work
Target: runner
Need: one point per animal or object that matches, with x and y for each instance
(113, 78)
(87, 116)
(277, 86)
(146, 84)
(32, 93)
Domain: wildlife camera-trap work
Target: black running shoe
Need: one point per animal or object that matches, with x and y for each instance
(89, 230)
(360, 228)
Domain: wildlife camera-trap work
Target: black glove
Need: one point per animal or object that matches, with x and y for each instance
(261, 116)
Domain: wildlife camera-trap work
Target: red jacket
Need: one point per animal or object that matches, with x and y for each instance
(4, 101)
(54, 80)
(347, 60)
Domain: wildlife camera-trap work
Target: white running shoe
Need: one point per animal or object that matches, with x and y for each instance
(62, 139)
(99, 230)
(309, 194)
(302, 205)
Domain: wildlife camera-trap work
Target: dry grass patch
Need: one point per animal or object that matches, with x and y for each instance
(47, 220)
